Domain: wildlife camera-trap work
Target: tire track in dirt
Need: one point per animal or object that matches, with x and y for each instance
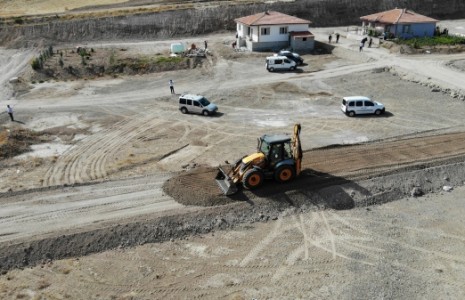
(88, 160)
(379, 242)
(385, 155)
(74, 207)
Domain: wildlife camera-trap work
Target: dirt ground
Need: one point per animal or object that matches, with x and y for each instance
(407, 249)
(380, 219)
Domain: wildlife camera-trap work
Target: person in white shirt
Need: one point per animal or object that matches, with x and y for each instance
(9, 110)
(171, 86)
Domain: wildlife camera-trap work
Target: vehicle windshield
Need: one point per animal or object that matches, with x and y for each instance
(264, 147)
(204, 102)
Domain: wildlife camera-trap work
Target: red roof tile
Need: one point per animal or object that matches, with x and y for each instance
(270, 18)
(398, 16)
(301, 33)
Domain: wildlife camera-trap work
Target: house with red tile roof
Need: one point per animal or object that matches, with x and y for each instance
(400, 22)
(273, 31)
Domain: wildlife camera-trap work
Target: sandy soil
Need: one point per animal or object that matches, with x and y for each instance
(408, 249)
(100, 186)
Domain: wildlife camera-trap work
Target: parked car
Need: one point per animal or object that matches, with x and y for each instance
(292, 56)
(197, 104)
(358, 105)
(274, 63)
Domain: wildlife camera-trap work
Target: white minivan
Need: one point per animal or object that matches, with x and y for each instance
(275, 63)
(197, 104)
(360, 105)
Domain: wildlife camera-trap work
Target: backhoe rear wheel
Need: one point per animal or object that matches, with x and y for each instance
(252, 179)
(284, 174)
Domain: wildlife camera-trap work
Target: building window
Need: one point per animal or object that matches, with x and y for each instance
(265, 31)
(406, 29)
(304, 39)
(283, 30)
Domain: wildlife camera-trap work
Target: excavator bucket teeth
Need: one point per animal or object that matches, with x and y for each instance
(225, 183)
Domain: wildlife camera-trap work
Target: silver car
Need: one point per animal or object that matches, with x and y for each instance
(197, 104)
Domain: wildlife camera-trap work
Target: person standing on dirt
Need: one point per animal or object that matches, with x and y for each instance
(330, 37)
(364, 40)
(370, 42)
(171, 83)
(361, 46)
(9, 110)
(337, 37)
(205, 44)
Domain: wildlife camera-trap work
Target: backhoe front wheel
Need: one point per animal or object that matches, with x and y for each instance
(284, 174)
(252, 179)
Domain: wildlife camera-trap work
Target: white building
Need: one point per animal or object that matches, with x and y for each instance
(272, 31)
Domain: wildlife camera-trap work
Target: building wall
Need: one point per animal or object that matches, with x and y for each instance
(256, 41)
(299, 45)
(407, 31)
(267, 46)
(415, 30)
(274, 32)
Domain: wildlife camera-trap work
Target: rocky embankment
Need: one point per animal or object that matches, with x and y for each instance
(202, 20)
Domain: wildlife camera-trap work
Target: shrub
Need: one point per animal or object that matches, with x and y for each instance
(18, 20)
(35, 64)
(433, 41)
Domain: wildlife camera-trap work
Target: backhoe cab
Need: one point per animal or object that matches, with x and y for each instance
(278, 156)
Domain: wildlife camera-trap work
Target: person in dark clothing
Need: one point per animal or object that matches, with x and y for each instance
(370, 42)
(205, 45)
(364, 40)
(330, 37)
(337, 37)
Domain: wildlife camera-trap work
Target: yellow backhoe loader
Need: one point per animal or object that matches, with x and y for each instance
(278, 156)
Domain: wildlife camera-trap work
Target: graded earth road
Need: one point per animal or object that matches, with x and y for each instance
(68, 209)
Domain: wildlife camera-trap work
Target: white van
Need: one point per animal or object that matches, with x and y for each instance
(197, 104)
(274, 63)
(358, 105)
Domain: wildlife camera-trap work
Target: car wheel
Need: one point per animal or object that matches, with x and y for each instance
(284, 174)
(184, 110)
(271, 69)
(377, 112)
(205, 113)
(252, 179)
(351, 113)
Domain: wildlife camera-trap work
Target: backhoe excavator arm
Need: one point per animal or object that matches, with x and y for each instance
(297, 149)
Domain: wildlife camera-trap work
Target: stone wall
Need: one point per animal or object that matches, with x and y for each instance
(191, 22)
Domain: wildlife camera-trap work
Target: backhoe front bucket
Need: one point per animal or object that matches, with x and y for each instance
(225, 183)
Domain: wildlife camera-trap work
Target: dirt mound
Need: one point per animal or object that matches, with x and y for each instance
(327, 167)
(71, 64)
(196, 187)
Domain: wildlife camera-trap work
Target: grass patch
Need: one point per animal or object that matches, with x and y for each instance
(443, 40)
(169, 59)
